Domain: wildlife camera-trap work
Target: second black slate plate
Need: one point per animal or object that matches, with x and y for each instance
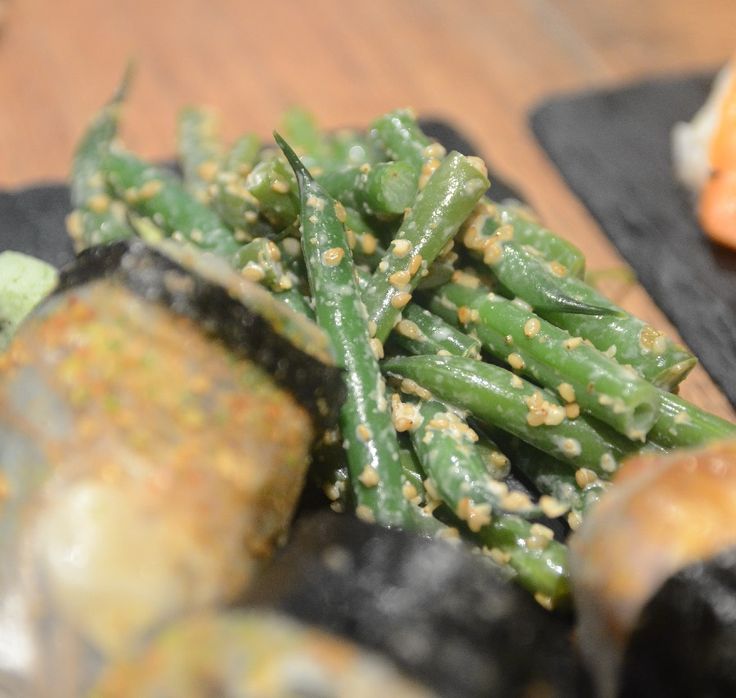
(613, 148)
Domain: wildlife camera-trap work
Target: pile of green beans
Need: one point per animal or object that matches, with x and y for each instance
(453, 317)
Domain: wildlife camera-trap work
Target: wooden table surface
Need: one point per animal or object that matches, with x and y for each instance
(480, 65)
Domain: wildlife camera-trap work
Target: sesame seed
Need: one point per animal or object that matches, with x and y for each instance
(467, 315)
(291, 246)
(369, 476)
(479, 515)
(350, 237)
(207, 170)
(516, 501)
(405, 415)
(280, 186)
(409, 491)
(411, 387)
(566, 391)
(400, 299)
(517, 382)
(415, 264)
(608, 462)
(372, 328)
(558, 269)
(492, 252)
(552, 507)
(399, 278)
(532, 327)
(572, 342)
(365, 514)
(570, 447)
(464, 279)
(574, 519)
(429, 486)
(515, 361)
(497, 555)
(434, 150)
(377, 347)
(478, 164)
(572, 410)
(585, 477)
(150, 189)
(253, 272)
(333, 256)
(340, 212)
(409, 329)
(555, 415)
(544, 601)
(648, 338)
(369, 243)
(99, 203)
(316, 203)
(401, 248)
(428, 170)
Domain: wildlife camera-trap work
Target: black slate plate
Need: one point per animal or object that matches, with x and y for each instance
(32, 219)
(613, 148)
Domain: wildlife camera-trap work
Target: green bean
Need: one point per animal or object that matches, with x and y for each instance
(438, 273)
(370, 438)
(439, 210)
(681, 424)
(295, 301)
(503, 399)
(540, 563)
(363, 242)
(293, 262)
(272, 184)
(413, 475)
(199, 148)
(523, 273)
(495, 460)
(623, 336)
(399, 135)
(422, 332)
(259, 261)
(229, 196)
(383, 190)
(445, 446)
(242, 154)
(156, 193)
(96, 218)
(527, 231)
(580, 373)
(562, 492)
(236, 206)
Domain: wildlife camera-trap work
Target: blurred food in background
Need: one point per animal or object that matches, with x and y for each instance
(704, 154)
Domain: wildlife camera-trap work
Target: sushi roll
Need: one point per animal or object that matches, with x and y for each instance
(655, 558)
(704, 155)
(157, 413)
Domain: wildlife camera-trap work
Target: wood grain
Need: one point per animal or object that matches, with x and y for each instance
(481, 65)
